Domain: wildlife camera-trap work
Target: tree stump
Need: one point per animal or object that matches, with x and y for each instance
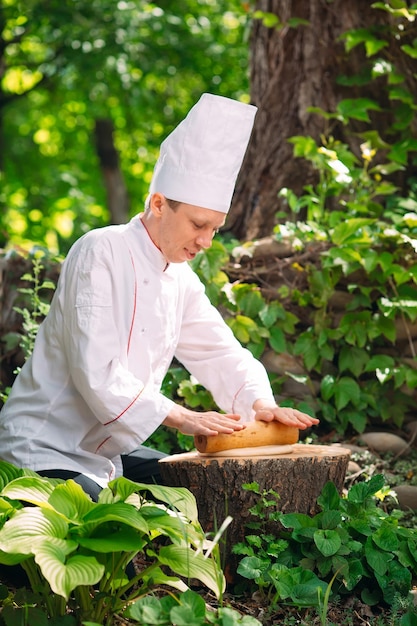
(298, 476)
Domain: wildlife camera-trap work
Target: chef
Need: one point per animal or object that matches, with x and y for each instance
(127, 302)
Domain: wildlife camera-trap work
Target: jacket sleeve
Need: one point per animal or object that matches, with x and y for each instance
(98, 300)
(210, 351)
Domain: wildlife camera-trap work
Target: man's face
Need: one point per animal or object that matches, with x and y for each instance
(182, 232)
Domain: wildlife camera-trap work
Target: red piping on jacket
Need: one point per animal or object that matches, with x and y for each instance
(128, 348)
(135, 292)
(235, 396)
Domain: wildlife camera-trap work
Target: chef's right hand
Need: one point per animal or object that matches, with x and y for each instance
(202, 423)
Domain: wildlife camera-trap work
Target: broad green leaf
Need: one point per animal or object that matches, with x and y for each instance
(186, 562)
(297, 521)
(124, 540)
(173, 525)
(33, 489)
(330, 519)
(63, 574)
(374, 45)
(377, 560)
(157, 577)
(116, 512)
(371, 597)
(17, 615)
(354, 573)
(178, 498)
(191, 610)
(387, 327)
(8, 472)
(327, 541)
(5, 507)
(19, 533)
(71, 500)
(147, 610)
(251, 567)
(386, 537)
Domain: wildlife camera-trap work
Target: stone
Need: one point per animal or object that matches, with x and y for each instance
(382, 443)
(407, 496)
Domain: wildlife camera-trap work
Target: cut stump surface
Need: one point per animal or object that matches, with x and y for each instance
(298, 476)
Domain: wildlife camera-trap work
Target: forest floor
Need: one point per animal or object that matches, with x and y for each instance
(398, 470)
(349, 611)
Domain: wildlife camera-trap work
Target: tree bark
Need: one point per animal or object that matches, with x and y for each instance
(293, 68)
(216, 482)
(117, 197)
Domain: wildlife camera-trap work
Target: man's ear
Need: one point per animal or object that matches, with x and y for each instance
(156, 203)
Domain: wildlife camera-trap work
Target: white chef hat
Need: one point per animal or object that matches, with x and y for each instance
(200, 160)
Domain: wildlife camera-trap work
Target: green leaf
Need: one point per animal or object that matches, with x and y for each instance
(33, 489)
(277, 340)
(346, 390)
(306, 345)
(63, 574)
(124, 540)
(251, 567)
(297, 521)
(354, 573)
(381, 362)
(19, 532)
(327, 541)
(331, 519)
(115, 512)
(178, 498)
(185, 562)
(377, 560)
(357, 108)
(349, 230)
(353, 359)
(243, 327)
(249, 299)
(71, 500)
(386, 537)
(8, 472)
(190, 612)
(329, 498)
(327, 387)
(147, 610)
(360, 492)
(410, 50)
(274, 311)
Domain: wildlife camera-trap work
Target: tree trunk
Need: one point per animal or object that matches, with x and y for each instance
(293, 68)
(117, 197)
(216, 482)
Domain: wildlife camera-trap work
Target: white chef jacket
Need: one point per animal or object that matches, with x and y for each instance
(90, 392)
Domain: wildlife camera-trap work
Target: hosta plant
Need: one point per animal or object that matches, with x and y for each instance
(76, 552)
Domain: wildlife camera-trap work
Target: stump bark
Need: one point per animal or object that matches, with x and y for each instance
(216, 482)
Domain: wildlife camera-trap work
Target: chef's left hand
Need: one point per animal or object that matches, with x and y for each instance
(267, 412)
